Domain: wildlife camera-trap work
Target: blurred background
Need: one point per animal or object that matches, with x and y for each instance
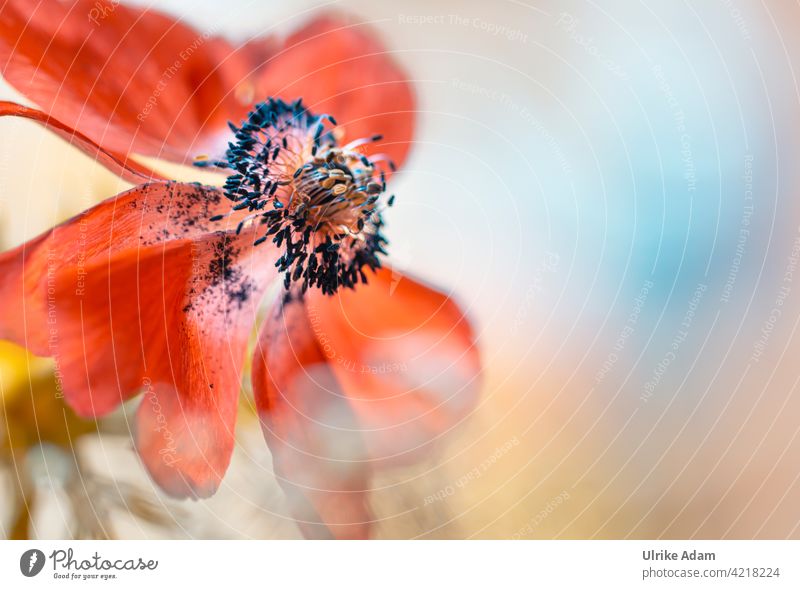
(610, 190)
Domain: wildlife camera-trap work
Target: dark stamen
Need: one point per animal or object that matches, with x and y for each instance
(324, 214)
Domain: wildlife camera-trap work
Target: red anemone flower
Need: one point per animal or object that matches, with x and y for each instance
(156, 290)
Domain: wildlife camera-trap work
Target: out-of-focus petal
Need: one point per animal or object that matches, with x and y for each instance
(131, 79)
(317, 451)
(141, 293)
(405, 356)
(135, 80)
(171, 320)
(341, 68)
(125, 168)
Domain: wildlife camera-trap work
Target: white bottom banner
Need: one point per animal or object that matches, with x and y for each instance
(401, 564)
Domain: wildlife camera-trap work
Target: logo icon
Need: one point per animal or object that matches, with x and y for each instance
(31, 562)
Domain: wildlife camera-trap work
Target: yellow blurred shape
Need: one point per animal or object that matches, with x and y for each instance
(33, 408)
(17, 367)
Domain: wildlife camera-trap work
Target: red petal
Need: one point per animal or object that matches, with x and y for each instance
(138, 293)
(405, 356)
(172, 320)
(144, 215)
(135, 80)
(317, 453)
(185, 422)
(141, 293)
(127, 169)
(342, 69)
(132, 79)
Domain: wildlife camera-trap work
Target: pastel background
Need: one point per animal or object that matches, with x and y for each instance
(611, 190)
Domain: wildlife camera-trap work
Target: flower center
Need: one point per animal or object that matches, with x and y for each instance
(318, 202)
